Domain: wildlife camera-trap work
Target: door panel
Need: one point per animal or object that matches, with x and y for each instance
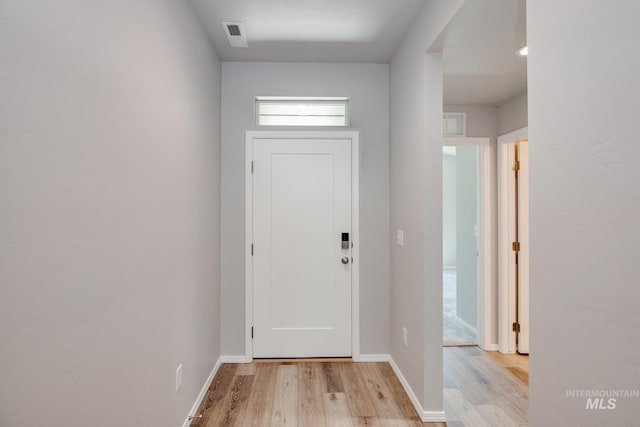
(302, 290)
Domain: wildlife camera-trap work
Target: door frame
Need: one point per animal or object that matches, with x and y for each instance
(354, 136)
(486, 305)
(506, 278)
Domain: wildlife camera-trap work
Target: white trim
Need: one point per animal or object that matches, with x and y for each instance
(375, 358)
(491, 347)
(425, 416)
(203, 392)
(235, 359)
(506, 299)
(486, 305)
(354, 136)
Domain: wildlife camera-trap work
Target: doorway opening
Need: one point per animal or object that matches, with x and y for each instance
(466, 229)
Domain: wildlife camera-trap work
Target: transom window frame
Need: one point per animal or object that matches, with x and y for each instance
(303, 103)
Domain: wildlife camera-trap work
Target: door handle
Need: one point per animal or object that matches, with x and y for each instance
(345, 260)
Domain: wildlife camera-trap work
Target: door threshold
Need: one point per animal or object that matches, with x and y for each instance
(306, 360)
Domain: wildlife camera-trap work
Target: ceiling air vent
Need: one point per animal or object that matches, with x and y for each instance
(235, 33)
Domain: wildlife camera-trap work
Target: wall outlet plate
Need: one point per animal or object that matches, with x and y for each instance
(400, 238)
(405, 337)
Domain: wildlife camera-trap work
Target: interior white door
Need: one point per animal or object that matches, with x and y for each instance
(301, 274)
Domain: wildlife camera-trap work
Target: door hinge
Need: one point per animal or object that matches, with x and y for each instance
(252, 166)
(515, 327)
(516, 165)
(252, 332)
(515, 246)
(252, 249)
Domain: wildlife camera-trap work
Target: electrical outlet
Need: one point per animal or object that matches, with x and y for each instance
(405, 336)
(178, 378)
(400, 238)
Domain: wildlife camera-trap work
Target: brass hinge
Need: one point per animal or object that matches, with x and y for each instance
(516, 165)
(515, 327)
(252, 249)
(515, 246)
(251, 166)
(252, 332)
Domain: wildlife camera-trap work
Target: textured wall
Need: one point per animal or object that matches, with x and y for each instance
(584, 154)
(109, 206)
(513, 114)
(416, 204)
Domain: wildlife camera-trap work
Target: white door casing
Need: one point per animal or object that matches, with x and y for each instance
(300, 296)
(506, 235)
(523, 255)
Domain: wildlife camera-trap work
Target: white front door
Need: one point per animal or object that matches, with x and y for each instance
(301, 273)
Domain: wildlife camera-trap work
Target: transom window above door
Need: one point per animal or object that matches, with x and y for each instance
(302, 111)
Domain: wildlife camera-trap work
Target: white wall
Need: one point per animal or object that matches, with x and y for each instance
(512, 114)
(585, 204)
(416, 204)
(466, 237)
(449, 211)
(367, 87)
(109, 199)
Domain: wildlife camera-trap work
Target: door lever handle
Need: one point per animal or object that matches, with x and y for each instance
(345, 260)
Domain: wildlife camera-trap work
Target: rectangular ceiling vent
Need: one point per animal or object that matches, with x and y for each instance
(235, 33)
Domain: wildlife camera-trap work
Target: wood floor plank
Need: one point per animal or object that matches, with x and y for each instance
(399, 394)
(218, 391)
(496, 416)
(310, 401)
(260, 405)
(330, 378)
(366, 422)
(337, 410)
(234, 407)
(465, 410)
(246, 369)
(285, 404)
(520, 373)
(386, 407)
(360, 404)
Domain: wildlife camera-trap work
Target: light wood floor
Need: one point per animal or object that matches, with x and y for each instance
(307, 394)
(481, 389)
(485, 389)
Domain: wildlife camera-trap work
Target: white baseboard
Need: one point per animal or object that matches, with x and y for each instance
(425, 416)
(235, 359)
(489, 347)
(374, 358)
(203, 392)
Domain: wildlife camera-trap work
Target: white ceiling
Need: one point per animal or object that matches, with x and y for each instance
(479, 45)
(310, 30)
